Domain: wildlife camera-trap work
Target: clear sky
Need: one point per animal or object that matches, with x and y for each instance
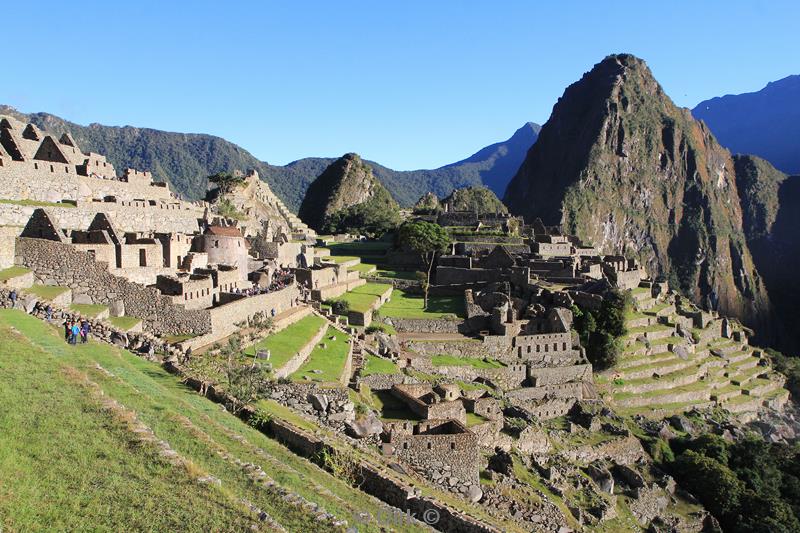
(410, 84)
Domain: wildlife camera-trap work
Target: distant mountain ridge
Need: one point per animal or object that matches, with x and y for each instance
(186, 159)
(765, 123)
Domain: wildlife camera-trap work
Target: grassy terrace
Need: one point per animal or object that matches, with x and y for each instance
(362, 298)
(288, 341)
(404, 305)
(452, 360)
(124, 322)
(396, 274)
(104, 478)
(37, 203)
(47, 292)
(326, 364)
(12, 272)
(378, 365)
(88, 310)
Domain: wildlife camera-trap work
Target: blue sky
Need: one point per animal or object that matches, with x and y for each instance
(410, 84)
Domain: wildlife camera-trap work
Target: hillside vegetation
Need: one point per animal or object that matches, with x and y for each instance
(185, 159)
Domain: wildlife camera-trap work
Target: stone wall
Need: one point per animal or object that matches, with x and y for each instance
(436, 447)
(8, 238)
(125, 218)
(297, 360)
(225, 317)
(554, 375)
(55, 263)
(426, 325)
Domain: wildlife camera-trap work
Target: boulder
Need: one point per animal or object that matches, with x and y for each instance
(81, 298)
(318, 401)
(30, 304)
(116, 308)
(602, 477)
(364, 427)
(474, 493)
(681, 423)
(387, 343)
(119, 339)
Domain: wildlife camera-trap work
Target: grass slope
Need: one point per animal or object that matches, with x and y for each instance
(404, 305)
(288, 341)
(98, 479)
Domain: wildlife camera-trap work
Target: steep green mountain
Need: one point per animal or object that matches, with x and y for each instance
(186, 159)
(622, 167)
(476, 199)
(348, 198)
(765, 123)
(770, 202)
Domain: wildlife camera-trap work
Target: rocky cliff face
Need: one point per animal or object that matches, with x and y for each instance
(622, 167)
(347, 197)
(769, 201)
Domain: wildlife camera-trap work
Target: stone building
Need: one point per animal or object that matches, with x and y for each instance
(225, 245)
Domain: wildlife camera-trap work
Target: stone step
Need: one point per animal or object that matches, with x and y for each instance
(724, 394)
(662, 368)
(744, 364)
(743, 404)
(761, 387)
(743, 376)
(735, 357)
(640, 359)
(674, 395)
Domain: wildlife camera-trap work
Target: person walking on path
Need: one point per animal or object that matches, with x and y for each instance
(13, 297)
(76, 331)
(85, 329)
(67, 330)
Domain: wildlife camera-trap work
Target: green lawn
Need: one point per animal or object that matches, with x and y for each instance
(37, 203)
(403, 305)
(124, 322)
(339, 259)
(396, 274)
(363, 268)
(47, 292)
(475, 419)
(362, 298)
(288, 341)
(177, 339)
(89, 310)
(452, 360)
(378, 365)
(12, 272)
(329, 360)
(67, 464)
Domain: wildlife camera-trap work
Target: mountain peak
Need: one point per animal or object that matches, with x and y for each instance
(622, 167)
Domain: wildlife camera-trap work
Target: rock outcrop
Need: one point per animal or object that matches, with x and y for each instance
(622, 167)
(347, 198)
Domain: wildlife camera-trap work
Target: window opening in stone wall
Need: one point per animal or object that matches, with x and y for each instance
(142, 257)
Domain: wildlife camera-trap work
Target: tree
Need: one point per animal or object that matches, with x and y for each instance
(225, 181)
(427, 240)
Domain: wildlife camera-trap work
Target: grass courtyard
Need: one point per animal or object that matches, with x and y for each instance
(325, 364)
(12, 272)
(378, 365)
(47, 292)
(288, 341)
(404, 305)
(452, 360)
(362, 298)
(88, 310)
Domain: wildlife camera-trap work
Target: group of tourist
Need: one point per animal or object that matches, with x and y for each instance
(281, 279)
(75, 330)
